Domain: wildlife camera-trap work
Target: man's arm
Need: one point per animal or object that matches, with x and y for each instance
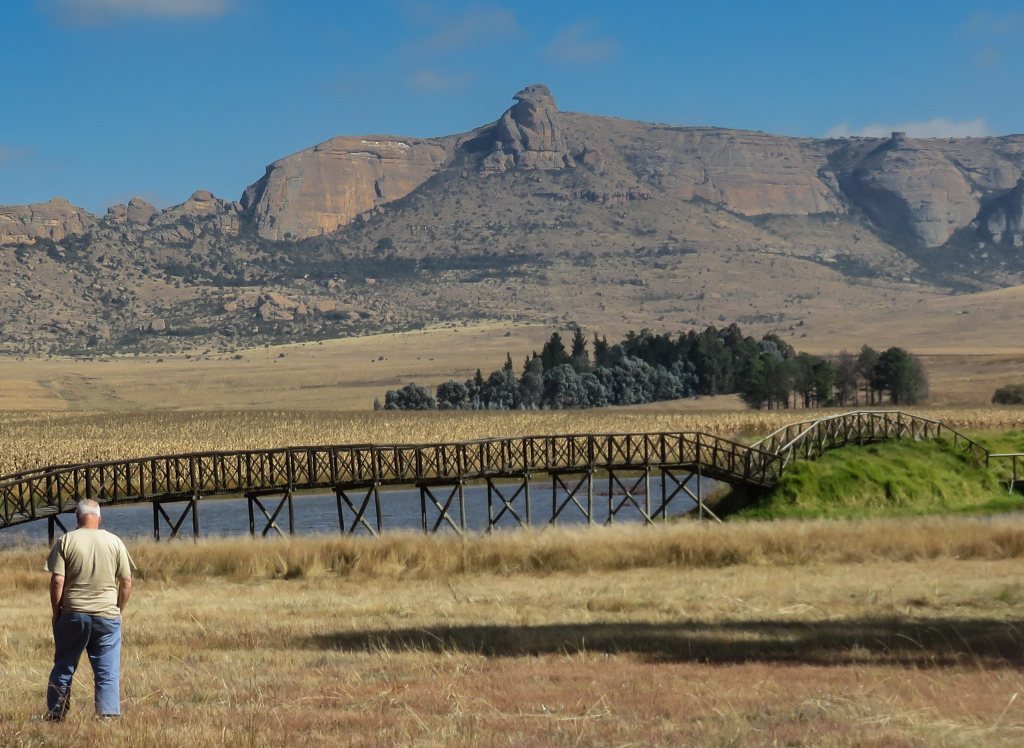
(124, 591)
(56, 595)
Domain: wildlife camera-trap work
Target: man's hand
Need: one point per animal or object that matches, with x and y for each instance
(56, 595)
(124, 591)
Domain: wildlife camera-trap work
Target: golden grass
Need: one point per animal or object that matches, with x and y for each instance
(36, 439)
(784, 634)
(347, 374)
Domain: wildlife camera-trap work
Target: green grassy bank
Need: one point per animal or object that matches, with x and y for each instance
(897, 478)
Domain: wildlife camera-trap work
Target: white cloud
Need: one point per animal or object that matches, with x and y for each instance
(575, 45)
(478, 24)
(92, 12)
(431, 81)
(940, 127)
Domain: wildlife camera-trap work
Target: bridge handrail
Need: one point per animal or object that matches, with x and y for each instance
(10, 478)
(162, 477)
(874, 415)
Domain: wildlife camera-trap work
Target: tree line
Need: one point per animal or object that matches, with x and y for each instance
(647, 367)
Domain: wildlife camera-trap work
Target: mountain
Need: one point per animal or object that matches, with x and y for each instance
(541, 216)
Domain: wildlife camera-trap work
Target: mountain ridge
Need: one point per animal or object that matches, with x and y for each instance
(366, 233)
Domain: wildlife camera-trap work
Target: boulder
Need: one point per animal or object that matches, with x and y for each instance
(140, 211)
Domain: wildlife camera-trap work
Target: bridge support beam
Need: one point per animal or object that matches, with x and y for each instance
(191, 508)
(358, 507)
(672, 487)
(52, 523)
(443, 507)
(508, 502)
(571, 495)
(630, 495)
(254, 502)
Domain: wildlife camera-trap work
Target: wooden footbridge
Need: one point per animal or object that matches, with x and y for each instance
(554, 475)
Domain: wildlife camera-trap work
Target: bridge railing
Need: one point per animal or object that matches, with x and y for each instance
(809, 439)
(30, 495)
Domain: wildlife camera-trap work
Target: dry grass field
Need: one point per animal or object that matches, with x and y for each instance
(31, 440)
(348, 374)
(826, 634)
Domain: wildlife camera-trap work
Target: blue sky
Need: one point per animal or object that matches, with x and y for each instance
(105, 99)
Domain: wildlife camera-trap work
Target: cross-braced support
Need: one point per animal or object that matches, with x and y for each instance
(358, 508)
(571, 496)
(443, 507)
(508, 502)
(629, 495)
(254, 502)
(191, 508)
(672, 487)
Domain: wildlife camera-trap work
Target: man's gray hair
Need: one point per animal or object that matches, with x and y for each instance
(86, 507)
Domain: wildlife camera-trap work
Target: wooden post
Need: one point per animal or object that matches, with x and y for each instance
(195, 518)
(526, 488)
(156, 522)
(376, 505)
(462, 506)
(341, 516)
(252, 518)
(291, 507)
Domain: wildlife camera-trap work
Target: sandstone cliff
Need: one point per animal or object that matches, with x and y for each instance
(1004, 222)
(321, 188)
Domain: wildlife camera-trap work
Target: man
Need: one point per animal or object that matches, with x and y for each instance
(90, 582)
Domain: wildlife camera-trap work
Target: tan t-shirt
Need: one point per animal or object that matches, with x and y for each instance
(92, 563)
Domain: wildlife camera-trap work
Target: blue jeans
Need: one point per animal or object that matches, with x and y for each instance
(73, 634)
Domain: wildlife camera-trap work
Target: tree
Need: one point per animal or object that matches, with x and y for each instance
(847, 378)
(500, 391)
(752, 382)
(452, 395)
(531, 384)
(866, 361)
(553, 353)
(563, 388)
(579, 358)
(600, 351)
(901, 375)
(410, 397)
(1011, 394)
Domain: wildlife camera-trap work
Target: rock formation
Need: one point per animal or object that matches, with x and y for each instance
(529, 135)
(137, 212)
(1004, 223)
(321, 188)
(50, 220)
(912, 191)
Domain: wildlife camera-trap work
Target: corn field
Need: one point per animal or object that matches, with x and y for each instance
(30, 440)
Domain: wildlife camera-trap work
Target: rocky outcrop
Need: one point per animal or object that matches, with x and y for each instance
(1004, 220)
(137, 212)
(529, 135)
(24, 224)
(319, 189)
(912, 191)
(202, 213)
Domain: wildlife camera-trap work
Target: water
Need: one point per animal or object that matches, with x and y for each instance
(400, 510)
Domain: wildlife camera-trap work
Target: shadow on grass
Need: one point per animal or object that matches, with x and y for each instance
(943, 642)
